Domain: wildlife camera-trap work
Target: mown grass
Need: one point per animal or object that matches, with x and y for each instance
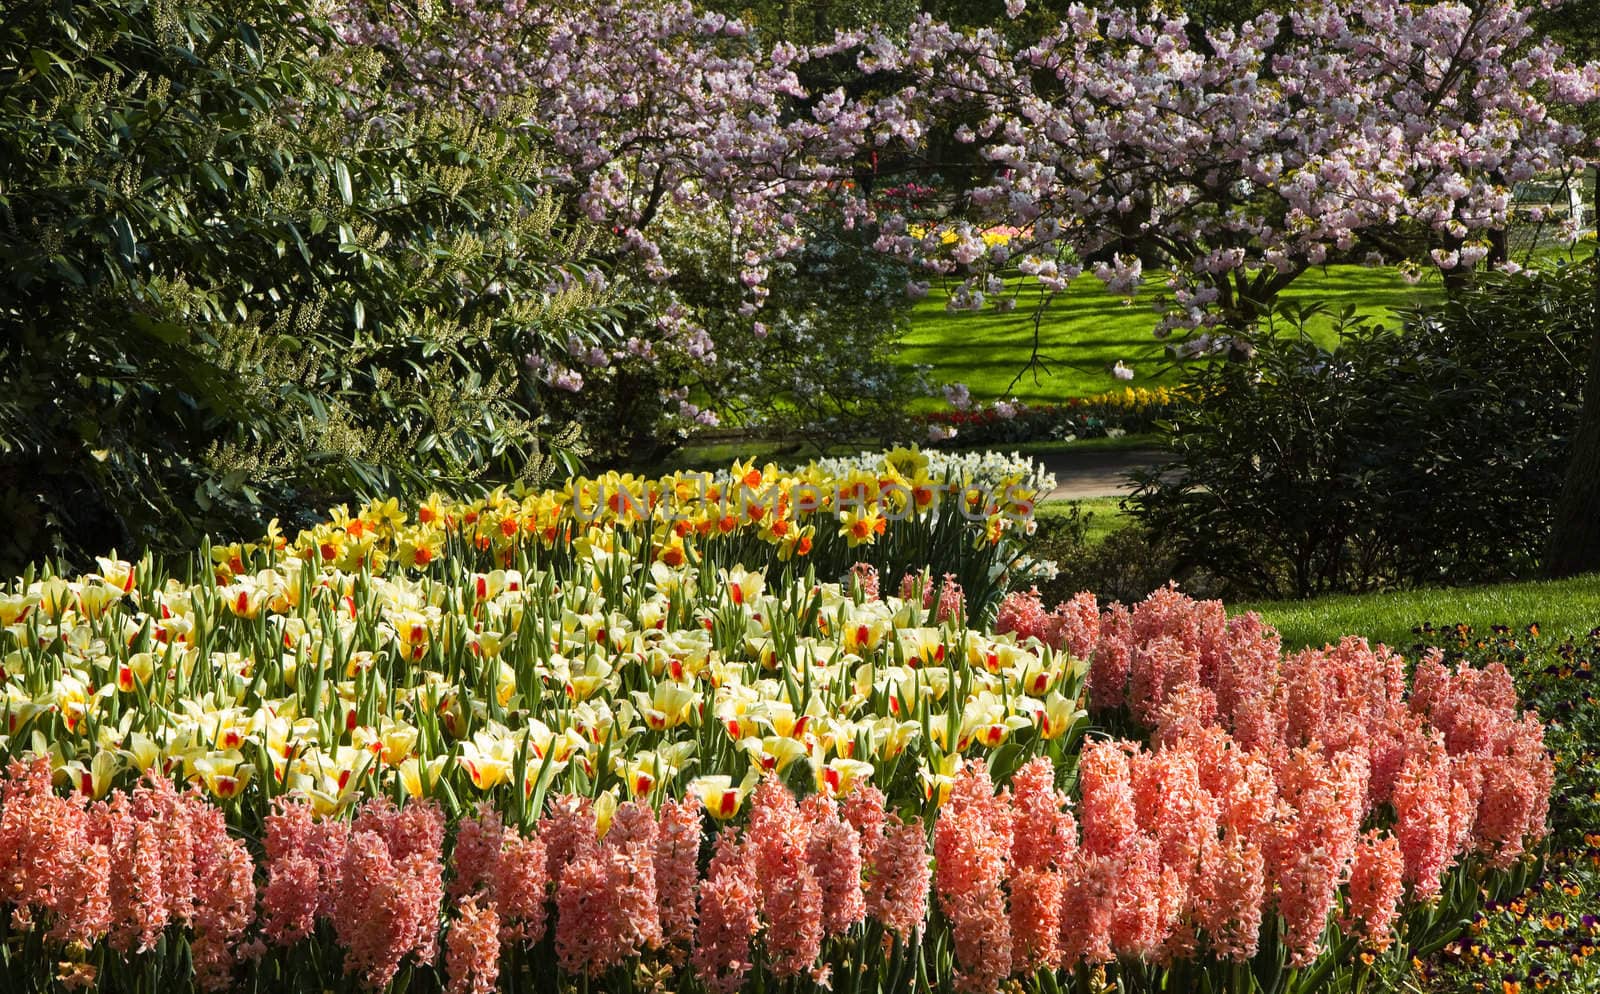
(1085, 331)
(1560, 606)
(1105, 515)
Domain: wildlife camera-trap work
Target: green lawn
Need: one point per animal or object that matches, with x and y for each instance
(1087, 330)
(1105, 514)
(1564, 606)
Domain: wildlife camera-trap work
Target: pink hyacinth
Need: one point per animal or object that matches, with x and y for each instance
(162, 805)
(520, 889)
(1515, 801)
(791, 899)
(371, 948)
(289, 903)
(1024, 615)
(1107, 815)
(294, 830)
(729, 916)
(83, 900)
(1035, 919)
(472, 950)
(630, 859)
(1187, 713)
(1149, 899)
(1247, 677)
(298, 885)
(1343, 697)
(952, 600)
(1174, 807)
(228, 907)
(138, 904)
(42, 837)
(568, 832)
(1045, 835)
(386, 910)
(864, 577)
(476, 852)
(834, 852)
(586, 941)
(972, 851)
(1228, 895)
(920, 587)
(1470, 706)
(866, 809)
(1113, 656)
(1376, 886)
(1314, 841)
(897, 878)
(1423, 801)
(1089, 908)
(1242, 782)
(1200, 627)
(677, 855)
(1078, 625)
(415, 829)
(1156, 668)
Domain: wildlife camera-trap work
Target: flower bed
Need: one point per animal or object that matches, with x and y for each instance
(991, 470)
(1134, 410)
(339, 762)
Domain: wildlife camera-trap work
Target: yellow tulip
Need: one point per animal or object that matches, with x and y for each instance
(224, 774)
(719, 795)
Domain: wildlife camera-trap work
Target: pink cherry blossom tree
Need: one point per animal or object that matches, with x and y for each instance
(1239, 156)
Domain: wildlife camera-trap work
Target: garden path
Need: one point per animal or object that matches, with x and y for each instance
(1097, 474)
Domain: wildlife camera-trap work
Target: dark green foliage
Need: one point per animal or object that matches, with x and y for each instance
(230, 290)
(1126, 565)
(1433, 456)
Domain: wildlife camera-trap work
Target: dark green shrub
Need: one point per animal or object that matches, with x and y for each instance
(1430, 456)
(225, 294)
(1126, 565)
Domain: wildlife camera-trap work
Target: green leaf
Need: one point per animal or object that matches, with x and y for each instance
(300, 243)
(341, 175)
(169, 332)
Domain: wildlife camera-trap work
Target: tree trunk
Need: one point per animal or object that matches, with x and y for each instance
(1575, 540)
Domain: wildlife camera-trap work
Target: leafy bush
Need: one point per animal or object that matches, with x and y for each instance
(227, 294)
(1430, 456)
(1127, 565)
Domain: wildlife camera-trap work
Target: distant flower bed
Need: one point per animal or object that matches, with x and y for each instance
(983, 469)
(1132, 410)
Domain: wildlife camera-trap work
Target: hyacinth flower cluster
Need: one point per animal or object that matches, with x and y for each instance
(1166, 866)
(388, 894)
